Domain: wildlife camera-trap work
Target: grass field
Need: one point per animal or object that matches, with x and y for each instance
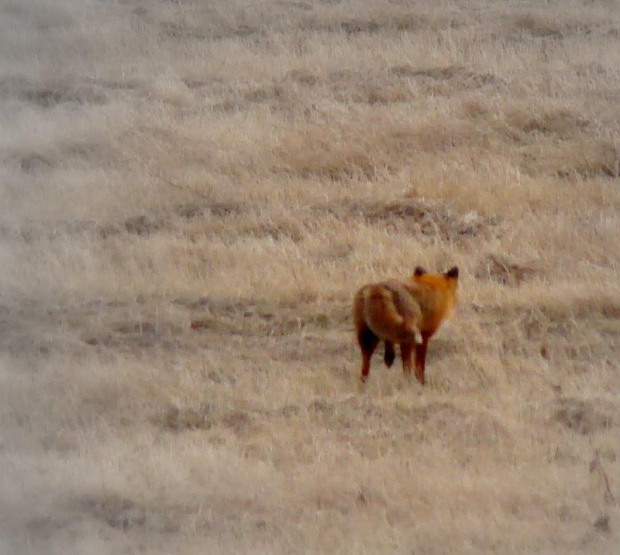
(192, 192)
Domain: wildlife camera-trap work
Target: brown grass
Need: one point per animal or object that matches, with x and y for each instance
(193, 191)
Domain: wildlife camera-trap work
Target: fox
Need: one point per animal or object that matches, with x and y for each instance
(404, 311)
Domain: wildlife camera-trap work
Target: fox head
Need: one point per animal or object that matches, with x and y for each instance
(451, 274)
(444, 285)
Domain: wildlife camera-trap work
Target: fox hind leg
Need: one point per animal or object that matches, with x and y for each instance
(390, 354)
(420, 358)
(406, 349)
(368, 342)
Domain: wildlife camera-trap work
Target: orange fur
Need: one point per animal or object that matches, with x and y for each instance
(408, 312)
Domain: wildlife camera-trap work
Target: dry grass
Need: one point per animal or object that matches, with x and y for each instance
(192, 191)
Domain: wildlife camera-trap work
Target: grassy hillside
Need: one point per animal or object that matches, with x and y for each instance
(193, 190)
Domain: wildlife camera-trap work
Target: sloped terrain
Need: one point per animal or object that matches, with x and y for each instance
(191, 194)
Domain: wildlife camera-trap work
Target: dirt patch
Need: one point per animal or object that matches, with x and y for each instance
(561, 123)
(142, 225)
(50, 94)
(321, 406)
(35, 163)
(170, 30)
(125, 85)
(378, 22)
(131, 335)
(276, 228)
(223, 209)
(213, 304)
(440, 413)
(198, 84)
(259, 95)
(217, 29)
(543, 26)
(176, 217)
(122, 513)
(237, 420)
(414, 216)
(29, 329)
(402, 83)
(368, 88)
(303, 77)
(434, 77)
(583, 417)
(136, 327)
(205, 417)
(276, 95)
(255, 318)
(502, 270)
(262, 323)
(601, 524)
(598, 158)
(179, 419)
(426, 218)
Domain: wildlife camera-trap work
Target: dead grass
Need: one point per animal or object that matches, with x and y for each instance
(192, 192)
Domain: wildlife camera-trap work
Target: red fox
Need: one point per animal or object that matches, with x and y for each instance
(408, 312)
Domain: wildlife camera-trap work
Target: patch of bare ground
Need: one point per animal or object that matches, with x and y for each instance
(262, 318)
(505, 271)
(539, 24)
(427, 218)
(445, 80)
(584, 417)
(561, 123)
(419, 217)
(205, 417)
(582, 159)
(49, 94)
(378, 20)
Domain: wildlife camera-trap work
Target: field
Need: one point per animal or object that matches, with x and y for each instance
(193, 190)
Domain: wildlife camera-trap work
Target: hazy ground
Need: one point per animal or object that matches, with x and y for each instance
(244, 167)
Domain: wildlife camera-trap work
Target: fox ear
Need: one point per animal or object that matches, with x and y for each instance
(453, 272)
(419, 271)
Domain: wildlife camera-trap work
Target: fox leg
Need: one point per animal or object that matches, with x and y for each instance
(420, 358)
(405, 352)
(389, 354)
(368, 342)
